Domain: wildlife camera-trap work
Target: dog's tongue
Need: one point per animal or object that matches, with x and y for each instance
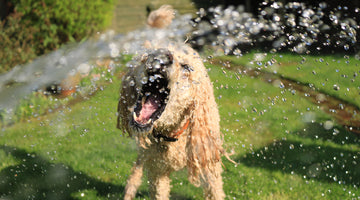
(149, 107)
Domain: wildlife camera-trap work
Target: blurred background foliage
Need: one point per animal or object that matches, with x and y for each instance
(30, 28)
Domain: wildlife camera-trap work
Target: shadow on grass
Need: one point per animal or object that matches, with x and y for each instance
(336, 134)
(320, 162)
(37, 178)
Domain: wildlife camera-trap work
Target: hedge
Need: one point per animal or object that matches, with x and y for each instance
(35, 27)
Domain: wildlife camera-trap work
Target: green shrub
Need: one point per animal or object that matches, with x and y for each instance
(38, 26)
(16, 43)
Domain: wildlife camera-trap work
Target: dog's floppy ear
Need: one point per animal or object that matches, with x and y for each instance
(126, 100)
(204, 148)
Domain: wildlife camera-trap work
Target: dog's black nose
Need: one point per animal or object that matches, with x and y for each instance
(158, 60)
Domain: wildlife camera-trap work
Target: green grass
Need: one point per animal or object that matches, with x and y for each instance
(278, 148)
(41, 102)
(280, 143)
(333, 75)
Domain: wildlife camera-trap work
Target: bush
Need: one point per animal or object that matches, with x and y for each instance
(16, 43)
(36, 27)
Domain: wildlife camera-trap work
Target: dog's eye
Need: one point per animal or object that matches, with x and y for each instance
(187, 67)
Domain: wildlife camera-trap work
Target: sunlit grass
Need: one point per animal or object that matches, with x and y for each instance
(281, 135)
(333, 75)
(281, 145)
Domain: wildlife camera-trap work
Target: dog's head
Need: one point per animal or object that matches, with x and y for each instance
(159, 89)
(151, 83)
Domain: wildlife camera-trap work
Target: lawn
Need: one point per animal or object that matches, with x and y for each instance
(334, 75)
(286, 147)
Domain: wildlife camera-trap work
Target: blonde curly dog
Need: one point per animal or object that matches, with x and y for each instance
(167, 104)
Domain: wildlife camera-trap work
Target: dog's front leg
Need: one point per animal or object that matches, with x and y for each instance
(134, 180)
(213, 184)
(159, 184)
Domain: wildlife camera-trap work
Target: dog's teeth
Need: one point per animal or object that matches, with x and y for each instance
(149, 121)
(134, 116)
(143, 100)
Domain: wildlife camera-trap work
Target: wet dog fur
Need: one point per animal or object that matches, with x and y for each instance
(167, 104)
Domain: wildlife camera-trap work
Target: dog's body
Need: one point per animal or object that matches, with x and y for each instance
(167, 104)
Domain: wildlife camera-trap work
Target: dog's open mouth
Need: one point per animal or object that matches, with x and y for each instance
(154, 92)
(151, 102)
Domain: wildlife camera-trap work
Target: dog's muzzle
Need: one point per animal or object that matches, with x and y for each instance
(153, 97)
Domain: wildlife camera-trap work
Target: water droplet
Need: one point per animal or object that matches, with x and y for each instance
(322, 5)
(328, 125)
(132, 83)
(309, 117)
(144, 80)
(229, 42)
(314, 170)
(237, 52)
(291, 146)
(114, 50)
(276, 18)
(151, 79)
(162, 90)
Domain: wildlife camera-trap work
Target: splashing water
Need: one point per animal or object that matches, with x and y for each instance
(54, 67)
(293, 26)
(229, 29)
